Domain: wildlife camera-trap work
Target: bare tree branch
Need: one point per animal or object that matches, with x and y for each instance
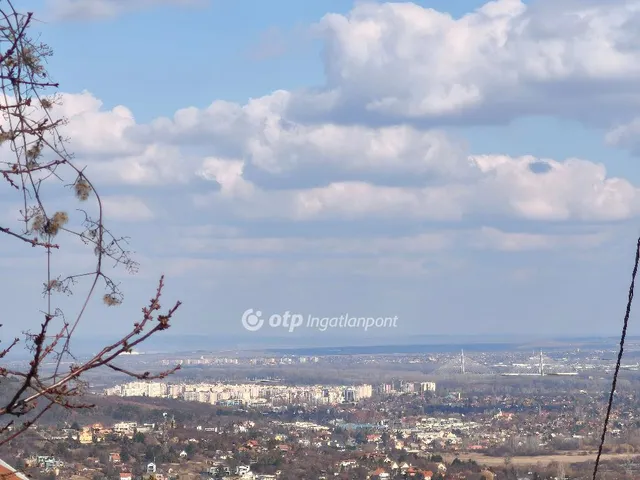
(33, 161)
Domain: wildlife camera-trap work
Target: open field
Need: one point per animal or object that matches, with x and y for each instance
(540, 459)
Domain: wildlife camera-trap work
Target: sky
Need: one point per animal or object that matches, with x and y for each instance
(470, 167)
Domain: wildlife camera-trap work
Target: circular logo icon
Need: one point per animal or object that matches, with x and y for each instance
(252, 321)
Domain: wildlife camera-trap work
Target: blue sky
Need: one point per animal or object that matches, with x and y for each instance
(359, 157)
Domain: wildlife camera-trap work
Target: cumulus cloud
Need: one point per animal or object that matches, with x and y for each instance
(571, 190)
(257, 133)
(395, 62)
(227, 174)
(100, 9)
(94, 130)
(260, 133)
(369, 145)
(355, 168)
(155, 165)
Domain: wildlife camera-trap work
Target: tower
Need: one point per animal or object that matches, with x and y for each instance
(462, 361)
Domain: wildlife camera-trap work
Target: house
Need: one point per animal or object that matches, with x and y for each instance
(411, 472)
(99, 431)
(242, 470)
(114, 457)
(251, 444)
(151, 468)
(47, 462)
(380, 473)
(86, 436)
(487, 475)
(126, 476)
(125, 428)
(7, 472)
(348, 464)
(220, 469)
(183, 454)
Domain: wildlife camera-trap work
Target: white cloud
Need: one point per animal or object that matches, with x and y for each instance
(99, 138)
(348, 151)
(359, 199)
(334, 171)
(355, 148)
(398, 61)
(266, 139)
(155, 165)
(122, 151)
(571, 190)
(228, 174)
(94, 130)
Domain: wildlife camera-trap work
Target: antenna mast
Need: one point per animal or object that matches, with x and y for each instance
(541, 364)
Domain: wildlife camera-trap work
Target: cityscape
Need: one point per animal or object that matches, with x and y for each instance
(525, 413)
(330, 240)
(249, 394)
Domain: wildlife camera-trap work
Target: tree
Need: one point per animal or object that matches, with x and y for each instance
(124, 455)
(61, 449)
(34, 166)
(190, 449)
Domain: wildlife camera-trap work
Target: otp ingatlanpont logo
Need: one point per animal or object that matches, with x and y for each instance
(251, 320)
